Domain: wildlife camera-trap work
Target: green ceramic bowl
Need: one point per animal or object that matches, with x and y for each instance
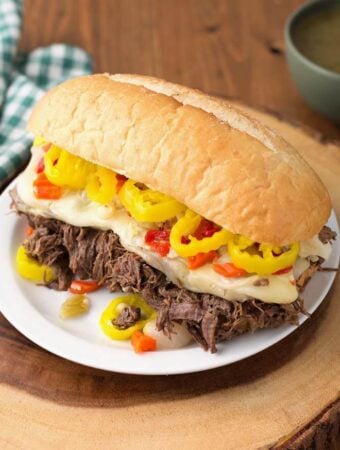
(319, 87)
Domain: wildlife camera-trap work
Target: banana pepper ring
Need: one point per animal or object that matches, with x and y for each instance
(102, 185)
(111, 313)
(186, 226)
(30, 269)
(66, 170)
(265, 260)
(148, 205)
(39, 141)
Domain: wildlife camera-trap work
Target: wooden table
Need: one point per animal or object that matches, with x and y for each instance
(230, 49)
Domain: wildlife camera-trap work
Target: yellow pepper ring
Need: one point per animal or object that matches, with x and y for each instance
(30, 269)
(102, 185)
(186, 226)
(66, 170)
(148, 205)
(39, 141)
(268, 263)
(111, 313)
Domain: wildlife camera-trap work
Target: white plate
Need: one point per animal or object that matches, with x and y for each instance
(34, 310)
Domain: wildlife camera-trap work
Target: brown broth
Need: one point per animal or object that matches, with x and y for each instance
(317, 36)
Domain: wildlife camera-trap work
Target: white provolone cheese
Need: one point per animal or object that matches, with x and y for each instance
(314, 247)
(76, 209)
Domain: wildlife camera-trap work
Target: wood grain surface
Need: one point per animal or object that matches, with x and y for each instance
(230, 48)
(285, 397)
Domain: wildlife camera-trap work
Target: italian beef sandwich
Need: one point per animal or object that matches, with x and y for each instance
(147, 187)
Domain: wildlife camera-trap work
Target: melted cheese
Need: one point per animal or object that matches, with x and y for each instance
(314, 247)
(76, 209)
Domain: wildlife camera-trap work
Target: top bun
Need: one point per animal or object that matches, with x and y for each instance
(198, 149)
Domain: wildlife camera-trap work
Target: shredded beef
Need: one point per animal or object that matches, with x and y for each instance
(326, 235)
(128, 317)
(88, 253)
(308, 273)
(47, 246)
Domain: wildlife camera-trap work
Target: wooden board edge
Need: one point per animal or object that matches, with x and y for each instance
(315, 134)
(321, 433)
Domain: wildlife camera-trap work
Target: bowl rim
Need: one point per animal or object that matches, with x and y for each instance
(292, 20)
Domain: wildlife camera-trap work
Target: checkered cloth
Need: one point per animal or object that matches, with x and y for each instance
(23, 80)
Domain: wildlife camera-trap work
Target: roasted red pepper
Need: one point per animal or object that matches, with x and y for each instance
(228, 270)
(158, 240)
(83, 286)
(185, 240)
(44, 189)
(29, 231)
(41, 166)
(206, 229)
(194, 262)
(120, 181)
(143, 343)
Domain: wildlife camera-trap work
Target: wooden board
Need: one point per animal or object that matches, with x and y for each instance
(284, 397)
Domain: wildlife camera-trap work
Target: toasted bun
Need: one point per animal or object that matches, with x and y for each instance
(198, 149)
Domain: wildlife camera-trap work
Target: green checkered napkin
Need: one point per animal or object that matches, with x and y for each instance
(23, 80)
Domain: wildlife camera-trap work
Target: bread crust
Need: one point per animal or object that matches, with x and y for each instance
(200, 150)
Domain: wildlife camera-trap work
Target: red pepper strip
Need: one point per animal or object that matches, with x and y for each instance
(44, 189)
(282, 271)
(83, 287)
(120, 181)
(142, 343)
(40, 180)
(228, 270)
(29, 231)
(185, 240)
(206, 228)
(162, 248)
(158, 240)
(194, 262)
(41, 166)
